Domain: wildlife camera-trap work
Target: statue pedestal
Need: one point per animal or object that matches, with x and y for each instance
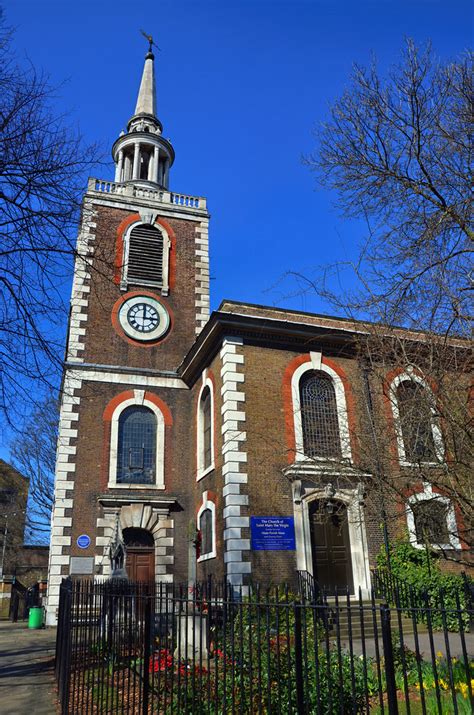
(192, 637)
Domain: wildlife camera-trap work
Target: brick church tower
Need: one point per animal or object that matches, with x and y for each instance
(140, 297)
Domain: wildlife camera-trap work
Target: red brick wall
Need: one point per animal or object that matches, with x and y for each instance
(213, 481)
(92, 463)
(103, 344)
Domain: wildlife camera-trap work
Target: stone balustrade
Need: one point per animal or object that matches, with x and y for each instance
(101, 186)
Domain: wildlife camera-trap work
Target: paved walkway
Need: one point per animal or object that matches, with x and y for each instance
(26, 674)
(424, 647)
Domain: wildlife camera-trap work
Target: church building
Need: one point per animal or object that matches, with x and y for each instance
(207, 444)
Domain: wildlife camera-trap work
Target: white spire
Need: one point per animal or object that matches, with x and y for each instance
(142, 154)
(146, 101)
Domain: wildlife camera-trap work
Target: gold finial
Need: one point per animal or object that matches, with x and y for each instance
(150, 40)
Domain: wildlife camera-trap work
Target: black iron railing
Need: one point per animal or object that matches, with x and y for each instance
(131, 648)
(308, 587)
(398, 592)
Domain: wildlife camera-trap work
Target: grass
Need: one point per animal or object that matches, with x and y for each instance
(416, 707)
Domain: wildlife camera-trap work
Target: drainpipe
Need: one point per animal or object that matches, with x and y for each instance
(378, 466)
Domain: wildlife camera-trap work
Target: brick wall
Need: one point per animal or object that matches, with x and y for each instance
(103, 345)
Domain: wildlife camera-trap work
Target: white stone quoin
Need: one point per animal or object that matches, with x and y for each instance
(236, 549)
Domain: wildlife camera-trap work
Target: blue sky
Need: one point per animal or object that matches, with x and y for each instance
(240, 87)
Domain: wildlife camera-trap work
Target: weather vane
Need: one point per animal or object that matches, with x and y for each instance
(150, 40)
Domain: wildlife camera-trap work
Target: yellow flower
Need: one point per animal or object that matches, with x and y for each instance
(442, 684)
(462, 687)
(454, 660)
(439, 654)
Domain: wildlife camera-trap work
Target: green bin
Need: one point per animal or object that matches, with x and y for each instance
(35, 618)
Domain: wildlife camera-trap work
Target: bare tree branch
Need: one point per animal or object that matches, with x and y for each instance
(43, 166)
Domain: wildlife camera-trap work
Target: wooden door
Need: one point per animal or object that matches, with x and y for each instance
(141, 564)
(332, 563)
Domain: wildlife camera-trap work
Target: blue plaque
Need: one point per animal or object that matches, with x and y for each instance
(83, 541)
(272, 533)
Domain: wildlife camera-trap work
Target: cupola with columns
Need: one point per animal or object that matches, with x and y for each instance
(142, 154)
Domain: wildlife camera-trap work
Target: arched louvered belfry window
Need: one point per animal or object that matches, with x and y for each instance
(319, 419)
(415, 417)
(136, 449)
(145, 256)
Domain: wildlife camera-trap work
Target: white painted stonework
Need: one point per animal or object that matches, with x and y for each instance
(202, 302)
(87, 374)
(142, 516)
(357, 534)
(208, 504)
(80, 291)
(147, 197)
(147, 218)
(63, 494)
(201, 470)
(138, 400)
(236, 549)
(427, 495)
(411, 376)
(315, 363)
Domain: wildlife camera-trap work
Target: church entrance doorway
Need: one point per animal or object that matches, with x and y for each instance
(331, 548)
(140, 548)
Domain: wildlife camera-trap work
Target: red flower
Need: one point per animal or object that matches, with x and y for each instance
(163, 660)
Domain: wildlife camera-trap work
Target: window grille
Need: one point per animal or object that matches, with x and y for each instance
(415, 422)
(206, 428)
(319, 418)
(136, 458)
(205, 527)
(145, 256)
(431, 525)
(137, 538)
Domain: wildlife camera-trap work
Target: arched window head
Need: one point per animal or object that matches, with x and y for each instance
(145, 257)
(319, 418)
(416, 421)
(136, 449)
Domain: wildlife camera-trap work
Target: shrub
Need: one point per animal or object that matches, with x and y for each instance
(419, 569)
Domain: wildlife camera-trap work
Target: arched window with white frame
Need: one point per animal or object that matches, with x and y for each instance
(319, 420)
(137, 445)
(419, 438)
(146, 257)
(206, 526)
(320, 412)
(431, 520)
(136, 448)
(205, 429)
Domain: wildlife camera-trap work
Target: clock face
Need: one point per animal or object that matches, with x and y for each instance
(143, 318)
